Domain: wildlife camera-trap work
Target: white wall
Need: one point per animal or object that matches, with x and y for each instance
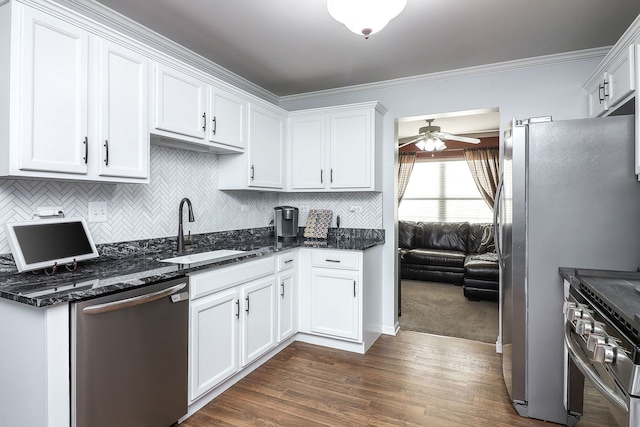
(520, 89)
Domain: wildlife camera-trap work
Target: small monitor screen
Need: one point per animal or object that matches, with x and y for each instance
(44, 242)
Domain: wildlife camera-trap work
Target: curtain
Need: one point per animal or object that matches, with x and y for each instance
(405, 166)
(483, 163)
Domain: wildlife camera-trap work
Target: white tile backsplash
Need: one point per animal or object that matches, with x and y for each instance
(139, 211)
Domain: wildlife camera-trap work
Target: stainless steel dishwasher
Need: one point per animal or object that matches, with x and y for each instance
(129, 357)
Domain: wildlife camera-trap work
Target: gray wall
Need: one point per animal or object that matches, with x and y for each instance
(519, 89)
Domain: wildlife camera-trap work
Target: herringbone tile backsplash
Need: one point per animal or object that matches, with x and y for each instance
(137, 211)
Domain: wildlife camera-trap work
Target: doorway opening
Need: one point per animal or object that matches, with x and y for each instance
(440, 211)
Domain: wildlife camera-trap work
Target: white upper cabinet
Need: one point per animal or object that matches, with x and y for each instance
(73, 99)
(53, 126)
(336, 148)
(261, 166)
(124, 135)
(180, 106)
(613, 85)
(228, 118)
(192, 113)
(308, 143)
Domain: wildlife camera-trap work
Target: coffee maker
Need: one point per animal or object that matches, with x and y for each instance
(286, 222)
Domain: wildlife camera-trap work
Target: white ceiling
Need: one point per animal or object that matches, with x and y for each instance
(294, 46)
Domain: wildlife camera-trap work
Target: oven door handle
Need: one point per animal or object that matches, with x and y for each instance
(587, 372)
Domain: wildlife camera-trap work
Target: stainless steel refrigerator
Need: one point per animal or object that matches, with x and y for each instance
(568, 197)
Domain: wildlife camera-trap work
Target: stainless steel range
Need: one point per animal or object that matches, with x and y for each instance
(602, 324)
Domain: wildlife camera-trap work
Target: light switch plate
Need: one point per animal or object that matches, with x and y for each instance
(98, 212)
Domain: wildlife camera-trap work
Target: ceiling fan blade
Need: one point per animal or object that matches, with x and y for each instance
(413, 141)
(448, 136)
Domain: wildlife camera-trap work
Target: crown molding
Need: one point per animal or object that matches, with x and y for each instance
(499, 67)
(134, 30)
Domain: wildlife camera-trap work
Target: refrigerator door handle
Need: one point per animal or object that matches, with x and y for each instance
(496, 214)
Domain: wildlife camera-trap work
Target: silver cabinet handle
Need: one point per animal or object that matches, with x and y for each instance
(321, 176)
(86, 149)
(252, 172)
(204, 121)
(215, 125)
(247, 309)
(133, 301)
(106, 158)
(237, 309)
(288, 261)
(332, 260)
(354, 288)
(282, 287)
(331, 175)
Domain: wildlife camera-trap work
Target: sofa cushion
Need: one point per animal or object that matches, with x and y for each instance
(483, 267)
(434, 257)
(447, 236)
(407, 234)
(480, 238)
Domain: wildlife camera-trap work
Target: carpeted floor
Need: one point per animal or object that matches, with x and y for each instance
(442, 309)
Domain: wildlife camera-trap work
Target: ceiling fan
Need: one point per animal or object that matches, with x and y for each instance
(431, 138)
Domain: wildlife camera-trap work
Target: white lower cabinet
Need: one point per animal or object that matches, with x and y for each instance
(258, 319)
(213, 342)
(335, 303)
(340, 298)
(287, 296)
(233, 316)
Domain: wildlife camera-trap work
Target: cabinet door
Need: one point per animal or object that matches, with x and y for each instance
(258, 319)
(308, 152)
(286, 308)
(124, 136)
(54, 95)
(266, 142)
(621, 80)
(180, 103)
(335, 303)
(351, 141)
(227, 124)
(213, 344)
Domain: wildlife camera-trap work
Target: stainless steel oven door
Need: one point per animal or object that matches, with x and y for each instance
(603, 376)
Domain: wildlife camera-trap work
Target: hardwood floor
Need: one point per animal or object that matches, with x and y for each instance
(412, 379)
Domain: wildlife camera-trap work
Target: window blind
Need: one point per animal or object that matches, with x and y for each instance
(443, 191)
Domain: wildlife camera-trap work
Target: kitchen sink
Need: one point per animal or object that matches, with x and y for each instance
(203, 256)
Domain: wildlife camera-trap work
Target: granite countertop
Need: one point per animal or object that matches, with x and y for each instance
(122, 266)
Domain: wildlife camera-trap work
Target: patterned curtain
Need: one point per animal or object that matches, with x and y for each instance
(405, 167)
(483, 163)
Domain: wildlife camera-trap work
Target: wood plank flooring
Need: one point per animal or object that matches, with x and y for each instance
(412, 379)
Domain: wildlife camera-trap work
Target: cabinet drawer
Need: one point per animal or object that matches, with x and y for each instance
(207, 282)
(286, 261)
(335, 259)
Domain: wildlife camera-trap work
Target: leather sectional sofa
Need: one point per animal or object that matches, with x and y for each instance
(454, 252)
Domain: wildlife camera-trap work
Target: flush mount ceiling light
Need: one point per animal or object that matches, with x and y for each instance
(365, 16)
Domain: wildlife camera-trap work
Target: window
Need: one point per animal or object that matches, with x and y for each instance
(443, 191)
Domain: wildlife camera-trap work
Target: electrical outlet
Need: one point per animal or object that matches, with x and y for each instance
(357, 209)
(303, 208)
(49, 211)
(98, 212)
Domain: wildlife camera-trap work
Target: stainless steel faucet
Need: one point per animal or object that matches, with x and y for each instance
(191, 219)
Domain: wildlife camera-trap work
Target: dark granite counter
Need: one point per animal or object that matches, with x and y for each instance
(126, 265)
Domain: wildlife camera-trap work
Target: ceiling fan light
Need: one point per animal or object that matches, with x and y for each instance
(365, 16)
(429, 145)
(440, 145)
(421, 145)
